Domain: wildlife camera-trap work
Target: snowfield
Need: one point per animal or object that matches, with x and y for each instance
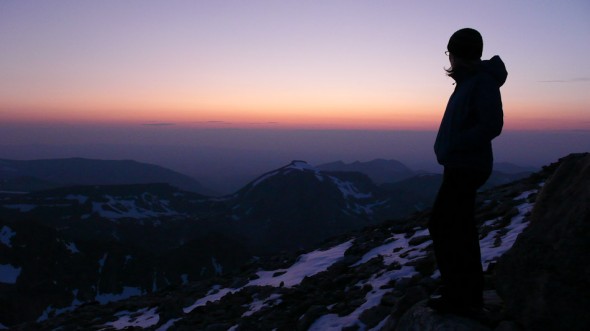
(143, 318)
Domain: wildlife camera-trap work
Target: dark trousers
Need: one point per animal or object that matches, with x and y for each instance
(455, 237)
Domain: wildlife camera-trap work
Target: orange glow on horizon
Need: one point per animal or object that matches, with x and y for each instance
(271, 114)
(308, 121)
(349, 114)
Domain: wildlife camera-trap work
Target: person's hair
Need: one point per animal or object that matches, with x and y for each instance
(466, 47)
(462, 65)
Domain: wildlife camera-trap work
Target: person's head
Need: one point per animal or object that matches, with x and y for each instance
(465, 48)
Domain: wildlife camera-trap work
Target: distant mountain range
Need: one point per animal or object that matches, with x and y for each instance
(379, 170)
(383, 171)
(35, 175)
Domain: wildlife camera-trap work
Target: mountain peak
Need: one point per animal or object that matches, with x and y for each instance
(301, 165)
(297, 165)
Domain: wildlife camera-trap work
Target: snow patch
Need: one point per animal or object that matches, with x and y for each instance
(51, 312)
(72, 248)
(168, 324)
(301, 166)
(6, 235)
(23, 208)
(9, 273)
(214, 295)
(257, 305)
(218, 268)
(348, 189)
(142, 318)
(306, 266)
(45, 314)
(526, 194)
(293, 166)
(395, 247)
(184, 279)
(126, 293)
(498, 242)
(101, 262)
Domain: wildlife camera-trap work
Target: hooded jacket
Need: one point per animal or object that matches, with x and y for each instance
(473, 117)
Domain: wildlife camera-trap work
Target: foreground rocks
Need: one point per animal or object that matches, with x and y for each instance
(545, 277)
(422, 318)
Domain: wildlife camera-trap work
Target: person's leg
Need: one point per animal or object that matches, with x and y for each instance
(455, 237)
(442, 213)
(465, 278)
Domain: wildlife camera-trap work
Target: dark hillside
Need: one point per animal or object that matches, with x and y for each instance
(34, 175)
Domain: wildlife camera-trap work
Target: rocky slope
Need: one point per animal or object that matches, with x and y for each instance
(378, 278)
(553, 255)
(75, 245)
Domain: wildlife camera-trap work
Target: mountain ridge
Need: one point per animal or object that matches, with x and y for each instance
(379, 170)
(41, 174)
(52, 173)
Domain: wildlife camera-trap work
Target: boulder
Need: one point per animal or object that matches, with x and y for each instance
(545, 278)
(422, 318)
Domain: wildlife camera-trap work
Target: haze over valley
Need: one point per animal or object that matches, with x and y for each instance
(225, 159)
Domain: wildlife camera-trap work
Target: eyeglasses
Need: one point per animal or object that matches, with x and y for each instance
(447, 53)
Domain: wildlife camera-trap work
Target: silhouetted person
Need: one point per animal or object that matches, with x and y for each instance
(473, 118)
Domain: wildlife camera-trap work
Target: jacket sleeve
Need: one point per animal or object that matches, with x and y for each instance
(489, 116)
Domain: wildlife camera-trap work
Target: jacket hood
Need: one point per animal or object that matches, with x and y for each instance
(496, 68)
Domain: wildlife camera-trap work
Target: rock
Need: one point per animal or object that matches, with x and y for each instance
(313, 313)
(422, 318)
(372, 316)
(415, 241)
(508, 326)
(389, 300)
(413, 295)
(218, 327)
(544, 277)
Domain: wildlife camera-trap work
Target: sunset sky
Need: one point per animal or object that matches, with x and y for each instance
(283, 64)
(226, 90)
